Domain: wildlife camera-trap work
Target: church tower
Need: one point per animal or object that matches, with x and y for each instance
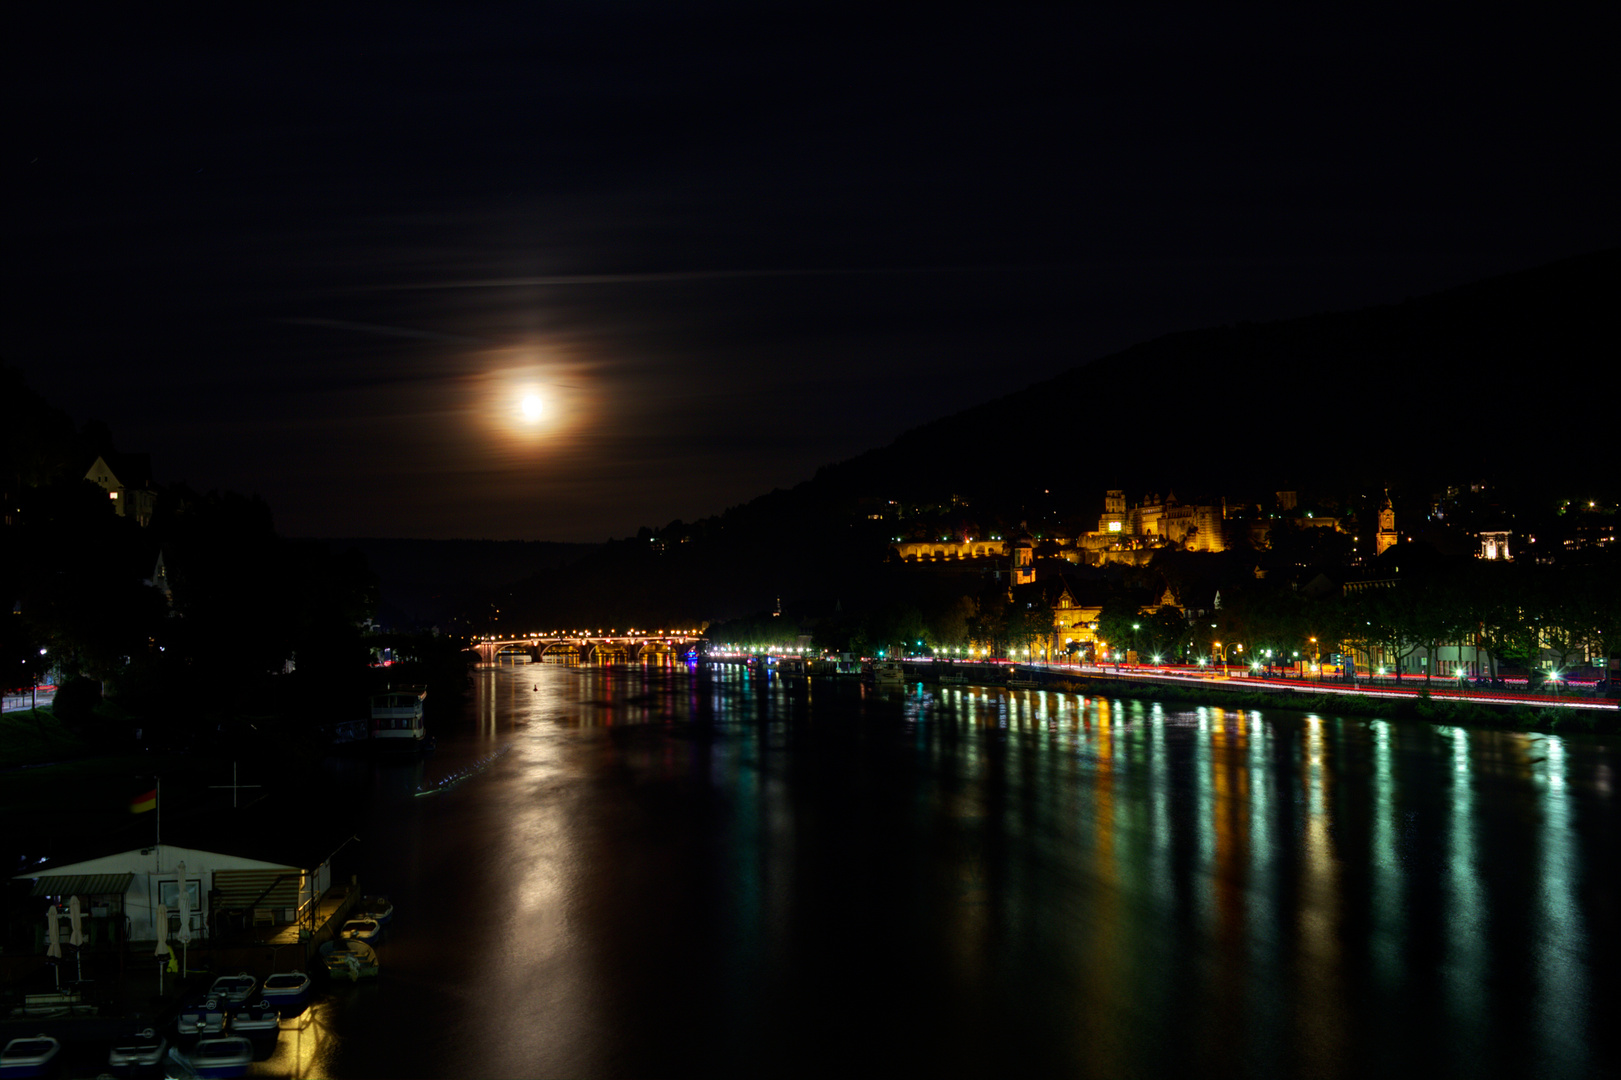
(1024, 571)
(1387, 526)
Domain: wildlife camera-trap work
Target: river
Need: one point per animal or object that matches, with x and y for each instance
(666, 873)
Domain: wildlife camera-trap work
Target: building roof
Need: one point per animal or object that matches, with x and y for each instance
(146, 860)
(129, 470)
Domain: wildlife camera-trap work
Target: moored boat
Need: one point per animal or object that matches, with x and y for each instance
(233, 989)
(288, 991)
(201, 1016)
(220, 1056)
(1021, 680)
(362, 929)
(842, 664)
(256, 1019)
(350, 960)
(397, 719)
(374, 907)
(139, 1054)
(888, 675)
(32, 1055)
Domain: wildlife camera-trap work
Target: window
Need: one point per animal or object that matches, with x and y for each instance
(169, 895)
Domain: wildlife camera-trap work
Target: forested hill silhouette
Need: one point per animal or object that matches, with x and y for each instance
(1510, 380)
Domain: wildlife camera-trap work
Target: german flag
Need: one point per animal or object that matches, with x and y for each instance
(142, 803)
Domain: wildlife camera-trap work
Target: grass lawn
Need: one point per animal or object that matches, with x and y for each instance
(56, 794)
(34, 735)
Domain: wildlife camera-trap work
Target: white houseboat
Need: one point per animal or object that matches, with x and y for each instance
(396, 719)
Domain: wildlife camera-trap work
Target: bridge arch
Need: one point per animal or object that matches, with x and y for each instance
(598, 648)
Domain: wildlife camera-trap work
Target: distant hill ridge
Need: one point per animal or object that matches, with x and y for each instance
(1512, 378)
(430, 582)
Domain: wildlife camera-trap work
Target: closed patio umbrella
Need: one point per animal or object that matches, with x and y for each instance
(185, 916)
(53, 938)
(163, 941)
(76, 934)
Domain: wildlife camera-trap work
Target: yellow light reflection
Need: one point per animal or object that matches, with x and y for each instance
(1322, 1033)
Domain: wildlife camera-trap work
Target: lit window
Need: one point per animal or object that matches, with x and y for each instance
(112, 494)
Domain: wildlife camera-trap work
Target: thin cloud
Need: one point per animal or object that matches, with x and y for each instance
(676, 276)
(389, 331)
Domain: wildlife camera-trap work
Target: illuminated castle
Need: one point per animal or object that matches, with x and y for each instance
(1193, 528)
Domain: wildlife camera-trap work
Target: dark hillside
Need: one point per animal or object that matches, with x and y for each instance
(425, 583)
(1511, 381)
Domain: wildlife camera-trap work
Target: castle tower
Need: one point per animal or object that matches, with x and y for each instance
(1114, 512)
(1387, 527)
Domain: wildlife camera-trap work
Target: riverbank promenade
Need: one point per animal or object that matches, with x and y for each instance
(1215, 677)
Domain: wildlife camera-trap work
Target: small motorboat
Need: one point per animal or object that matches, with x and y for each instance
(374, 907)
(288, 991)
(140, 1054)
(350, 959)
(219, 1056)
(31, 1055)
(201, 1016)
(888, 675)
(233, 989)
(362, 929)
(256, 1019)
(1021, 680)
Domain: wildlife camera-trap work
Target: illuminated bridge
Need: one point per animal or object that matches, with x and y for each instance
(611, 647)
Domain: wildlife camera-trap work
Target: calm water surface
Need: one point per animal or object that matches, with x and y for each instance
(670, 873)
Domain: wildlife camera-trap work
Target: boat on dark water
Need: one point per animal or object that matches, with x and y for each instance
(349, 960)
(363, 928)
(888, 675)
(373, 907)
(233, 989)
(33, 1055)
(397, 722)
(256, 1019)
(201, 1016)
(288, 991)
(139, 1054)
(217, 1057)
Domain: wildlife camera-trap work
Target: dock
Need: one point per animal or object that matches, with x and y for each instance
(123, 991)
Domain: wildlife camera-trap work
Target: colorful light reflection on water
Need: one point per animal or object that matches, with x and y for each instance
(673, 874)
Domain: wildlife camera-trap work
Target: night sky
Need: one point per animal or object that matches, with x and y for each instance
(326, 254)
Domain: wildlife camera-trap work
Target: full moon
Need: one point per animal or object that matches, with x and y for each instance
(532, 407)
